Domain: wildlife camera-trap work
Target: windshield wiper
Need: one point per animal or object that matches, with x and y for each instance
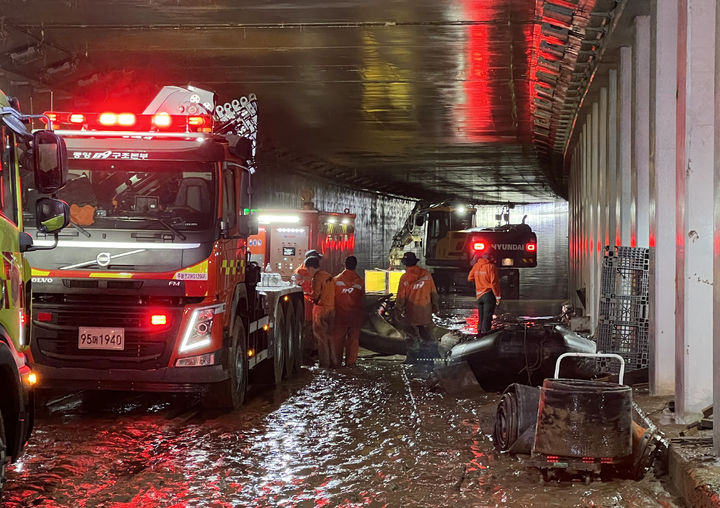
(81, 229)
(169, 227)
(155, 219)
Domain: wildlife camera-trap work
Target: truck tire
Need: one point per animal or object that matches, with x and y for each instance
(230, 394)
(298, 334)
(289, 336)
(278, 345)
(3, 455)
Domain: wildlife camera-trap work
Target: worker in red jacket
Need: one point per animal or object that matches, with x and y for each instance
(349, 313)
(416, 301)
(486, 276)
(323, 313)
(302, 278)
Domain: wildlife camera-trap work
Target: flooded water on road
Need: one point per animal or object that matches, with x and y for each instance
(376, 435)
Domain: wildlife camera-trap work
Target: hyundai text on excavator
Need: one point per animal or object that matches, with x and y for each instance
(39, 159)
(151, 289)
(445, 238)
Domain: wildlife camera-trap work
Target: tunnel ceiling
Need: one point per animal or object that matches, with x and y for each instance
(422, 98)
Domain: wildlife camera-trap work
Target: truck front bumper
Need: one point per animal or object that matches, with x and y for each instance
(166, 379)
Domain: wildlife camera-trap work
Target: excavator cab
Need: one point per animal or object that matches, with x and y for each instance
(444, 242)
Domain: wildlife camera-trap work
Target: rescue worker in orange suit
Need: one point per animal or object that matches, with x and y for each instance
(486, 277)
(323, 313)
(416, 301)
(302, 278)
(349, 314)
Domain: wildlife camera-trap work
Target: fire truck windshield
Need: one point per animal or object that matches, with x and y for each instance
(175, 196)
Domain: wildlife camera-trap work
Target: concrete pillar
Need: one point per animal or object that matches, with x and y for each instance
(641, 128)
(625, 146)
(662, 197)
(695, 171)
(582, 215)
(573, 226)
(614, 211)
(587, 208)
(604, 191)
(594, 229)
(716, 268)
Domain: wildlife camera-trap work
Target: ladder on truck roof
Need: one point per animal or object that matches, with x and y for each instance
(238, 117)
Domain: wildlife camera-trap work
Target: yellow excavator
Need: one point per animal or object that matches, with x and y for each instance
(445, 238)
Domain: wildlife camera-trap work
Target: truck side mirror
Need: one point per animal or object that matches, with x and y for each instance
(51, 215)
(50, 161)
(419, 220)
(247, 225)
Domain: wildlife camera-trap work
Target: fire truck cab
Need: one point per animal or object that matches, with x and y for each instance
(152, 289)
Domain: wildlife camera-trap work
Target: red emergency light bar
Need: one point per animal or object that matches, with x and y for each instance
(108, 121)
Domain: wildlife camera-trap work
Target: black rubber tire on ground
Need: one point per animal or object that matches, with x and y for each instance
(288, 335)
(230, 394)
(298, 334)
(278, 346)
(3, 455)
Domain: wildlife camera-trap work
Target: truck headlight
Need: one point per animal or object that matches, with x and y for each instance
(199, 328)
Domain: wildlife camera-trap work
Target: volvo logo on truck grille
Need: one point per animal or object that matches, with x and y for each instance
(103, 259)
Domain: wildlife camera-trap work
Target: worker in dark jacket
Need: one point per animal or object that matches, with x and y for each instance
(485, 275)
(302, 278)
(323, 313)
(416, 301)
(349, 313)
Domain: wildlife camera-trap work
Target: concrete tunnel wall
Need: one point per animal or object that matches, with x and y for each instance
(644, 166)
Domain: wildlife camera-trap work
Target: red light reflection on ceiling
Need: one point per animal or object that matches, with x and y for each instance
(495, 109)
(478, 93)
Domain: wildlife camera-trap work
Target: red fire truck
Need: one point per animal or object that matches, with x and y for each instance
(285, 235)
(151, 288)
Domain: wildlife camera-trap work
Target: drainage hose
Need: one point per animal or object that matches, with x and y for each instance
(516, 417)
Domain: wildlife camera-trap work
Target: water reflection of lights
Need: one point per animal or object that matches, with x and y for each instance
(348, 438)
